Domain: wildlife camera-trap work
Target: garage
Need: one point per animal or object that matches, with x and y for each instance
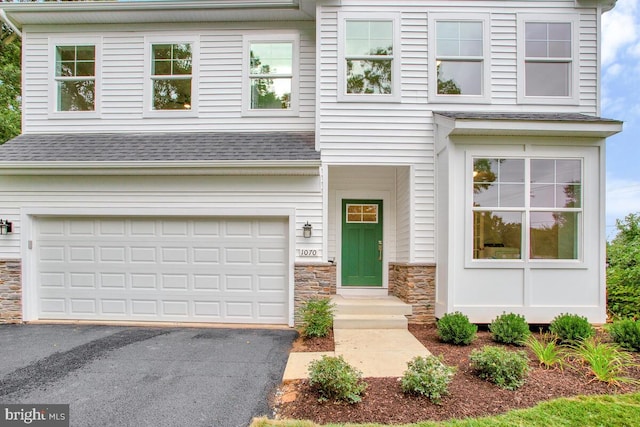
(204, 269)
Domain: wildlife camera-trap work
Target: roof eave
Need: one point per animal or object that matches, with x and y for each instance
(226, 168)
(474, 127)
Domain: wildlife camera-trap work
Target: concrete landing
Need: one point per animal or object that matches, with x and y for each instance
(375, 352)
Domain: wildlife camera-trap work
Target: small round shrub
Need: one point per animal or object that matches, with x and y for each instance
(507, 369)
(626, 332)
(571, 328)
(427, 376)
(455, 328)
(317, 317)
(334, 379)
(510, 328)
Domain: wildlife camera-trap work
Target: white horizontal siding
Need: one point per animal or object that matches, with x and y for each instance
(122, 89)
(153, 194)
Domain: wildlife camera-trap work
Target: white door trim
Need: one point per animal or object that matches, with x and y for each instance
(29, 216)
(385, 196)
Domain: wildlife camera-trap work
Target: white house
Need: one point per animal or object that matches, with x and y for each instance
(216, 161)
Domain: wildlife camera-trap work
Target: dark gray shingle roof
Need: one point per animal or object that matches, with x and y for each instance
(547, 117)
(118, 147)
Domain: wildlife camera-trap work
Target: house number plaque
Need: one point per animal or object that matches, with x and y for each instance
(307, 252)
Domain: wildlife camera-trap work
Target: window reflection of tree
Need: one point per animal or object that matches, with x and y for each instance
(446, 87)
(375, 76)
(263, 95)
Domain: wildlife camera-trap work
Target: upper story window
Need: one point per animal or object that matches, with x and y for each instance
(459, 52)
(548, 70)
(527, 208)
(171, 70)
(271, 74)
(171, 76)
(369, 58)
(74, 78)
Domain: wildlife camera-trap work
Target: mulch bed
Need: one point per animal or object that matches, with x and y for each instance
(303, 345)
(384, 401)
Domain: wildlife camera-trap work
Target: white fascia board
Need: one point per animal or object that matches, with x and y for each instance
(114, 12)
(465, 127)
(248, 168)
(606, 5)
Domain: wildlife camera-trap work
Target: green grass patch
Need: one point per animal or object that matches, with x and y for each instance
(581, 411)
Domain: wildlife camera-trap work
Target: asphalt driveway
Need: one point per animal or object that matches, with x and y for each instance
(126, 376)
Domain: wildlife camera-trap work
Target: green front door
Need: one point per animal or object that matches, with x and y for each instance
(362, 243)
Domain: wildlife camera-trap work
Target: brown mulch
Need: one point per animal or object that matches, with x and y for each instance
(303, 345)
(384, 401)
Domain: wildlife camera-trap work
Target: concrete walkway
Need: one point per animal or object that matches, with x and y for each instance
(375, 352)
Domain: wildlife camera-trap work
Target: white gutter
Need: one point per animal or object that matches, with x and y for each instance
(6, 20)
(237, 168)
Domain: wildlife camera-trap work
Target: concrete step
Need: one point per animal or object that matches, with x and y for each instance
(370, 321)
(387, 305)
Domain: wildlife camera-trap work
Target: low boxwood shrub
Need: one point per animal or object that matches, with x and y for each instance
(455, 328)
(571, 328)
(626, 333)
(507, 369)
(427, 376)
(334, 379)
(317, 317)
(510, 328)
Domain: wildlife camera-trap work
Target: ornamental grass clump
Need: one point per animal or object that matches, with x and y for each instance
(317, 317)
(334, 379)
(427, 376)
(571, 328)
(455, 328)
(510, 328)
(607, 362)
(626, 333)
(505, 368)
(547, 351)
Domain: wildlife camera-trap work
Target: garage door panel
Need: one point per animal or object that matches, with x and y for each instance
(203, 269)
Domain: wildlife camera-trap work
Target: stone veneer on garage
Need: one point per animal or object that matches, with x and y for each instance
(10, 291)
(415, 284)
(312, 280)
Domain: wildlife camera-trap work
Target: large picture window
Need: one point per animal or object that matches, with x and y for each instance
(75, 77)
(526, 209)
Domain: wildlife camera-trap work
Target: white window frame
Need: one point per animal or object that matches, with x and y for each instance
(79, 40)
(525, 260)
(194, 41)
(396, 89)
(574, 74)
(292, 37)
(485, 96)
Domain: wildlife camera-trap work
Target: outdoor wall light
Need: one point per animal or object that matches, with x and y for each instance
(5, 226)
(306, 230)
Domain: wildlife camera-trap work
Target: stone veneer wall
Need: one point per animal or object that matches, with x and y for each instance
(312, 280)
(10, 291)
(415, 284)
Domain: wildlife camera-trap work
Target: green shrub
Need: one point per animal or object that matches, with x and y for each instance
(427, 376)
(334, 379)
(623, 272)
(507, 369)
(606, 362)
(571, 327)
(317, 317)
(510, 328)
(455, 328)
(626, 333)
(547, 351)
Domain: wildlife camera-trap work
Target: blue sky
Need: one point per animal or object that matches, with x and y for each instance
(621, 100)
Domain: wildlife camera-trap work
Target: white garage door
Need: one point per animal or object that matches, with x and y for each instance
(163, 269)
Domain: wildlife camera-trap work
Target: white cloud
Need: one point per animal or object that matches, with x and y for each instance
(619, 29)
(614, 70)
(623, 197)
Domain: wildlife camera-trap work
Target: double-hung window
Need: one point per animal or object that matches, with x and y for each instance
(547, 52)
(271, 74)
(75, 78)
(458, 52)
(369, 58)
(527, 208)
(171, 76)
